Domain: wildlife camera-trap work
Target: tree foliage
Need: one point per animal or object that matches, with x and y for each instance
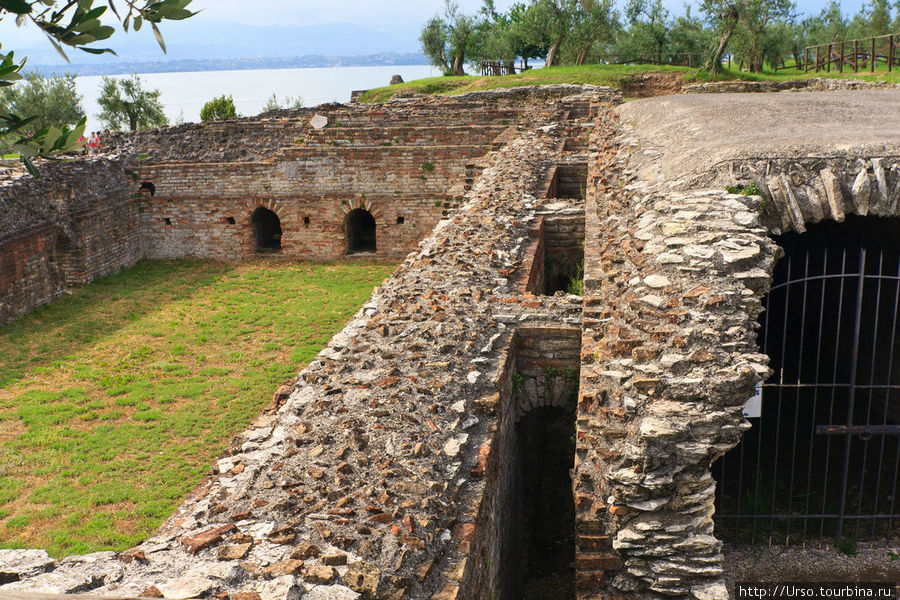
(754, 34)
(221, 107)
(75, 24)
(273, 103)
(52, 101)
(447, 39)
(126, 102)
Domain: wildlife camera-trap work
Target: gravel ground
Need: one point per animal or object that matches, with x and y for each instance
(693, 132)
(780, 564)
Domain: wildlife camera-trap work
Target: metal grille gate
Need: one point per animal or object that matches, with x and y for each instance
(822, 460)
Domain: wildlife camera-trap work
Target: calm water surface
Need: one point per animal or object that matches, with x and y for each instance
(184, 94)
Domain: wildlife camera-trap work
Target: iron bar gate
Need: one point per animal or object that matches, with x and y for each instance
(822, 460)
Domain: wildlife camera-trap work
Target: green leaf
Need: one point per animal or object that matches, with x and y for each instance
(98, 50)
(86, 25)
(159, 37)
(138, 21)
(29, 166)
(57, 46)
(19, 7)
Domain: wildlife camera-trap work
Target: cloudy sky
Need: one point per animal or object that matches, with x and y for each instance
(400, 21)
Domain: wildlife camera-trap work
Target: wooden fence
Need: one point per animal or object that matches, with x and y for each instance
(858, 55)
(490, 67)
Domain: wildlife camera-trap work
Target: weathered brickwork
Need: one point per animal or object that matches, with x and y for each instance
(382, 474)
(192, 190)
(399, 464)
(79, 222)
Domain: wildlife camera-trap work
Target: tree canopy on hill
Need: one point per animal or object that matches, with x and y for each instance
(755, 33)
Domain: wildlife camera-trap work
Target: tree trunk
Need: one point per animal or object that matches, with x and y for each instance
(445, 68)
(458, 62)
(553, 53)
(755, 61)
(714, 64)
(582, 56)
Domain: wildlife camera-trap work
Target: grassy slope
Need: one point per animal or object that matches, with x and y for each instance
(586, 74)
(115, 400)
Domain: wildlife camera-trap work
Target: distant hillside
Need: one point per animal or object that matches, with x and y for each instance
(234, 64)
(196, 39)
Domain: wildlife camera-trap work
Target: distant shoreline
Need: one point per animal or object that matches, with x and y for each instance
(236, 64)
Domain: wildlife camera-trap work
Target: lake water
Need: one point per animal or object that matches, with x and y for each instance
(184, 94)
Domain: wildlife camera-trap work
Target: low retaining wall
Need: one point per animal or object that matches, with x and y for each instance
(813, 84)
(75, 224)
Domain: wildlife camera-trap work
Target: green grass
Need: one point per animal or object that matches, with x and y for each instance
(115, 400)
(611, 75)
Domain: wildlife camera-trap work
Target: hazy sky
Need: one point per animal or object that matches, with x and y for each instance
(401, 19)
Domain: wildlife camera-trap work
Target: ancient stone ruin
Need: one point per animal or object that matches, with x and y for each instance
(477, 430)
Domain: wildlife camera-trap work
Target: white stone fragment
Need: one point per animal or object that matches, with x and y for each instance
(653, 300)
(861, 190)
(280, 588)
(648, 505)
(472, 377)
(654, 427)
(330, 592)
(24, 563)
(318, 122)
(710, 591)
(453, 445)
(182, 588)
(657, 281)
(699, 251)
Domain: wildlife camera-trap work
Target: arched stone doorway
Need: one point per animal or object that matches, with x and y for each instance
(266, 230)
(360, 228)
(820, 461)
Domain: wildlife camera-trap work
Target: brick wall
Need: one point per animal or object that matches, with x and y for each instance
(75, 224)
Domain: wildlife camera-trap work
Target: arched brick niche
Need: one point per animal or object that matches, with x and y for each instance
(266, 228)
(361, 227)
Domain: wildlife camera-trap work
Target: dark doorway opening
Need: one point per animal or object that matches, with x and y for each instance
(266, 230)
(547, 453)
(360, 227)
(821, 462)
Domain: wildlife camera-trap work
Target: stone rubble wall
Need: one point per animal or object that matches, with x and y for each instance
(75, 224)
(813, 84)
(377, 477)
(673, 286)
(810, 189)
(676, 269)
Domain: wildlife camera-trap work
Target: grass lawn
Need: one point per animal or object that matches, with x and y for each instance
(115, 400)
(610, 75)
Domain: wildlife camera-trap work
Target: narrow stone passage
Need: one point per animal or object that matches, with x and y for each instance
(547, 446)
